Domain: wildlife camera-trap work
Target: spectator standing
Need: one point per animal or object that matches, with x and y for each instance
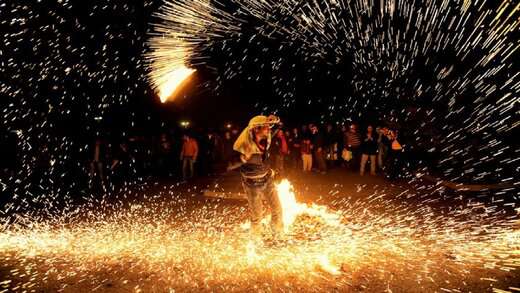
(368, 150)
(165, 155)
(210, 145)
(294, 143)
(352, 143)
(319, 150)
(189, 153)
(394, 155)
(383, 146)
(279, 150)
(227, 148)
(331, 145)
(306, 153)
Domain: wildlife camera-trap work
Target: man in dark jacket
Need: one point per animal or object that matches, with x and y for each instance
(368, 150)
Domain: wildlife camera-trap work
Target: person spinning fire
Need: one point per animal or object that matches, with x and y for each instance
(257, 177)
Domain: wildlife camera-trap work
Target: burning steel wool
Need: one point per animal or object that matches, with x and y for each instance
(163, 245)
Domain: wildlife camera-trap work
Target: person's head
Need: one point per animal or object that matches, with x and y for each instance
(261, 125)
(314, 128)
(262, 131)
(353, 128)
(287, 133)
(186, 137)
(227, 135)
(295, 131)
(392, 133)
(370, 129)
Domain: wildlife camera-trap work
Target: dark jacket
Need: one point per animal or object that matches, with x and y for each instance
(369, 145)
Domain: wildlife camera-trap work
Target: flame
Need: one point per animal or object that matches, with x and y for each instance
(325, 264)
(292, 209)
(172, 82)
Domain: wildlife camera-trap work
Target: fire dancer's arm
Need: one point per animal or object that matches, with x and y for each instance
(237, 164)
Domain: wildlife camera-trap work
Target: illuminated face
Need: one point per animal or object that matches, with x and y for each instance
(262, 131)
(370, 129)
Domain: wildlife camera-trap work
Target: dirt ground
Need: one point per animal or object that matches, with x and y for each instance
(168, 237)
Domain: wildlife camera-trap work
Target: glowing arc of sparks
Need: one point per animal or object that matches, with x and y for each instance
(173, 82)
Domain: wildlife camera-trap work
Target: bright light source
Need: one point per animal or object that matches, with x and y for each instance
(185, 124)
(172, 82)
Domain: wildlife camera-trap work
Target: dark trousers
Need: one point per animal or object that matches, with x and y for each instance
(394, 166)
(354, 163)
(320, 161)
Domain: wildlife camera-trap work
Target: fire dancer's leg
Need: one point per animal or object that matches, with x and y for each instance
(254, 200)
(276, 210)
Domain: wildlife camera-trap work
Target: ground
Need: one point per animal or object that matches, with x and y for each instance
(362, 234)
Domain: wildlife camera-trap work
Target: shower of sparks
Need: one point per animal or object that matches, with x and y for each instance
(454, 61)
(207, 249)
(172, 49)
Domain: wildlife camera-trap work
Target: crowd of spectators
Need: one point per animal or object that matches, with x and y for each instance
(309, 148)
